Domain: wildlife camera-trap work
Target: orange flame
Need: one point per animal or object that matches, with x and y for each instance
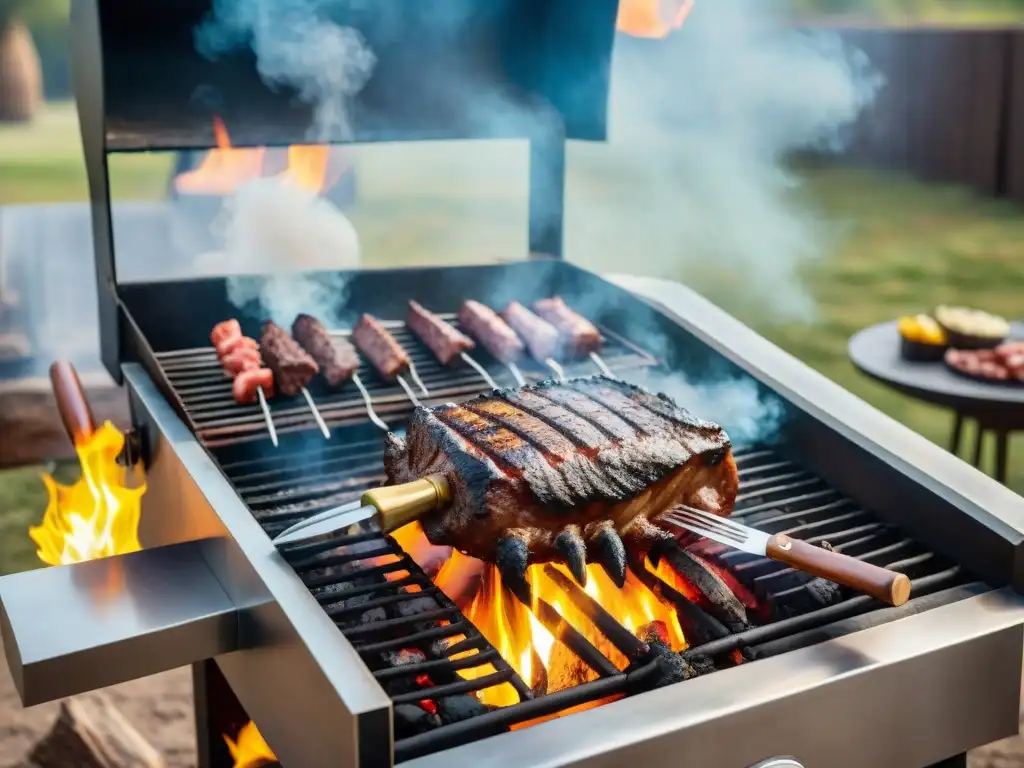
(251, 750)
(526, 644)
(98, 515)
(226, 168)
(654, 19)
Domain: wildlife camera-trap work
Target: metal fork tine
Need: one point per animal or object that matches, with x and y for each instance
(698, 526)
(711, 519)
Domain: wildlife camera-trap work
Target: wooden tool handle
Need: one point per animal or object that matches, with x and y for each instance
(399, 505)
(885, 585)
(71, 403)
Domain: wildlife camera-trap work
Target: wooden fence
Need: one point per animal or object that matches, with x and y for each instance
(952, 109)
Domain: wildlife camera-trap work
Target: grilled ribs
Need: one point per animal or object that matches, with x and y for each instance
(572, 471)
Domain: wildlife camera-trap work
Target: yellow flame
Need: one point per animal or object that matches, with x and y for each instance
(251, 750)
(654, 19)
(98, 515)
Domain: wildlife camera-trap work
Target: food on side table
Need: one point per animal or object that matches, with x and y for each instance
(1004, 364)
(921, 338)
(972, 328)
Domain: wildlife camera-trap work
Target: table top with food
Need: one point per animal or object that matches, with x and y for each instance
(951, 356)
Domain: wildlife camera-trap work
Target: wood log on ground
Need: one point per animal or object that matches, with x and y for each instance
(90, 733)
(30, 423)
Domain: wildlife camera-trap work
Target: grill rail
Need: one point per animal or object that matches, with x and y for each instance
(776, 495)
(204, 391)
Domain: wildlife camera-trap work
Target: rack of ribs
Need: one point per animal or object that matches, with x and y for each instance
(575, 471)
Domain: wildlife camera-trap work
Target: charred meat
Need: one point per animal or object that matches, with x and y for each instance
(293, 368)
(574, 472)
(380, 347)
(540, 336)
(336, 358)
(577, 335)
(446, 341)
(484, 325)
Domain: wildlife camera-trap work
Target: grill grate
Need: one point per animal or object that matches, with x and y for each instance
(204, 391)
(409, 615)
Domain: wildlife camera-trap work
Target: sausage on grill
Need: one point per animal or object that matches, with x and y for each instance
(574, 471)
(486, 326)
(380, 347)
(444, 340)
(336, 358)
(577, 335)
(540, 336)
(293, 368)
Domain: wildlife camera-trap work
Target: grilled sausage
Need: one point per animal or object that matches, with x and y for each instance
(293, 368)
(486, 326)
(444, 340)
(380, 347)
(540, 336)
(247, 382)
(336, 357)
(577, 335)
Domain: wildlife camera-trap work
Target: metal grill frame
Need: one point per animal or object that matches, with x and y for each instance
(941, 502)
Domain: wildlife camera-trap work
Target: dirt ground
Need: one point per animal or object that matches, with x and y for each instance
(160, 707)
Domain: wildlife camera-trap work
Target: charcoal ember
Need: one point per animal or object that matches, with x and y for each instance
(453, 709)
(653, 632)
(416, 605)
(403, 657)
(412, 719)
(661, 667)
(372, 616)
(816, 593)
(700, 664)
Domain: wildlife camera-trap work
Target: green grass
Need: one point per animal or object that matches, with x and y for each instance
(900, 246)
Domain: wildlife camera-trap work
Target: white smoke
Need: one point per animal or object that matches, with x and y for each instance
(703, 123)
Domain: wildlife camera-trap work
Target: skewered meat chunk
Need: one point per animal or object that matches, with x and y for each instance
(487, 327)
(243, 359)
(577, 335)
(336, 357)
(244, 387)
(572, 471)
(380, 347)
(444, 340)
(293, 368)
(228, 329)
(233, 344)
(540, 336)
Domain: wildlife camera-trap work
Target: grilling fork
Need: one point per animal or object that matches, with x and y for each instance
(881, 583)
(391, 507)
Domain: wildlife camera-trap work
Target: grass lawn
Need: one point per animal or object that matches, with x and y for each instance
(904, 246)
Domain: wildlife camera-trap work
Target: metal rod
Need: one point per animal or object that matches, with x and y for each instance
(554, 366)
(479, 369)
(265, 407)
(602, 365)
(409, 392)
(316, 414)
(419, 382)
(573, 640)
(369, 403)
(517, 374)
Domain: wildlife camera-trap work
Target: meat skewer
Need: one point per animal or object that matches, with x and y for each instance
(386, 354)
(578, 336)
(241, 361)
(293, 368)
(487, 327)
(541, 337)
(446, 341)
(336, 357)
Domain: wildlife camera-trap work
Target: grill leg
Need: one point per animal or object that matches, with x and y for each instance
(978, 438)
(958, 430)
(1002, 449)
(217, 713)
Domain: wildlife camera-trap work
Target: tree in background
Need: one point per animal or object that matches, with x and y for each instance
(21, 72)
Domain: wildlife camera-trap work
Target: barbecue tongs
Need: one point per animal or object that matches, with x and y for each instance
(390, 507)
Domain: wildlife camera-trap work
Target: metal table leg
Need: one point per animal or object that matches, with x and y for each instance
(958, 430)
(1002, 451)
(978, 437)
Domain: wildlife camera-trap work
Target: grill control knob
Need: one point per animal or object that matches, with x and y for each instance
(779, 762)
